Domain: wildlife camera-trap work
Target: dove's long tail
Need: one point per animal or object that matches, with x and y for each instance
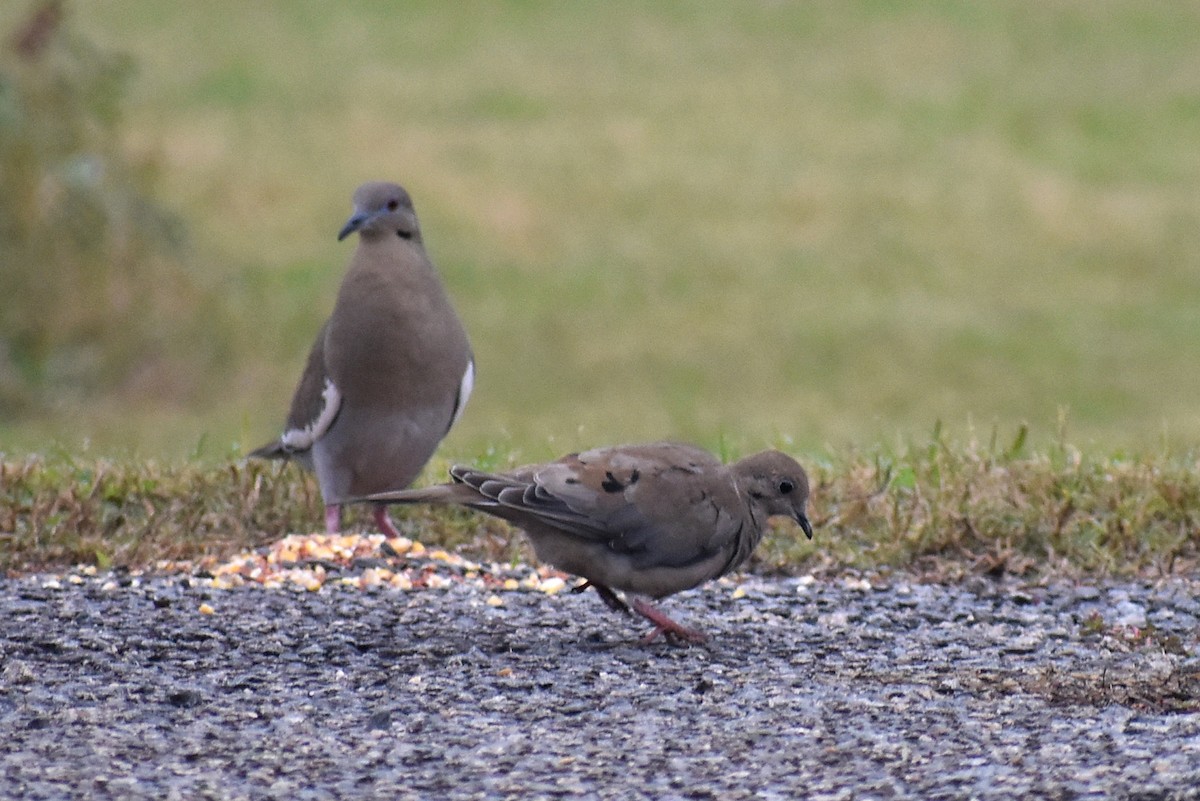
(272, 450)
(439, 495)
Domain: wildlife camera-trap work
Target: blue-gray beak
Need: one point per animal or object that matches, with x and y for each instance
(352, 225)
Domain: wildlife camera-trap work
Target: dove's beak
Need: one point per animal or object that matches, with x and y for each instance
(802, 519)
(352, 225)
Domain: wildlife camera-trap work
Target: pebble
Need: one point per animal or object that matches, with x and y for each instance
(807, 688)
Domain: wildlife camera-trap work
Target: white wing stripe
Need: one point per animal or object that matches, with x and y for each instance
(301, 439)
(464, 392)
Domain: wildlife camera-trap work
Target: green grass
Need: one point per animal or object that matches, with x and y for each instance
(942, 508)
(830, 222)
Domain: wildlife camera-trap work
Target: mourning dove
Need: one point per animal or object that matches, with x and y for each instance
(389, 372)
(648, 520)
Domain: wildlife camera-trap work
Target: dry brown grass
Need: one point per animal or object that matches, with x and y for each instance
(1173, 689)
(944, 509)
(951, 510)
(60, 510)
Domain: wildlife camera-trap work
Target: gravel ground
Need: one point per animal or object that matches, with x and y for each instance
(808, 688)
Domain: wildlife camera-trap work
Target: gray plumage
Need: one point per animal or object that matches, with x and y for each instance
(648, 520)
(389, 372)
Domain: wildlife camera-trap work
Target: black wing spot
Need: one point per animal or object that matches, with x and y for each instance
(610, 483)
(634, 476)
(572, 480)
(404, 234)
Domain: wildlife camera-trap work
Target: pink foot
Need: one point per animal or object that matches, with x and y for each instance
(333, 518)
(672, 631)
(383, 521)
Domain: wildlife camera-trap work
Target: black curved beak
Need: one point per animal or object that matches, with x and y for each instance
(352, 225)
(802, 519)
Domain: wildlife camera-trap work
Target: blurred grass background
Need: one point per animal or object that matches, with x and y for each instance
(825, 224)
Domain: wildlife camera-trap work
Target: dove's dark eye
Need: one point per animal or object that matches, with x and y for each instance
(393, 205)
(785, 487)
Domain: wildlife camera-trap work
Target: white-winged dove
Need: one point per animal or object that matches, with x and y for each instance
(390, 370)
(649, 520)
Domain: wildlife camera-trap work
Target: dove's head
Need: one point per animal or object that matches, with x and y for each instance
(382, 209)
(776, 485)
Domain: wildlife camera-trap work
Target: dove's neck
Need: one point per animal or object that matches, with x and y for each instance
(746, 502)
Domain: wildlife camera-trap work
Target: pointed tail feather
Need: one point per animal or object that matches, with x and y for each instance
(272, 450)
(439, 494)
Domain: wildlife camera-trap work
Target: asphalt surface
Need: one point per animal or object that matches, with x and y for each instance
(163, 688)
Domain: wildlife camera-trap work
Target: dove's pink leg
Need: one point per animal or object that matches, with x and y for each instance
(383, 521)
(664, 625)
(333, 518)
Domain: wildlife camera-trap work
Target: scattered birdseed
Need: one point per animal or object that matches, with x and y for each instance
(363, 561)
